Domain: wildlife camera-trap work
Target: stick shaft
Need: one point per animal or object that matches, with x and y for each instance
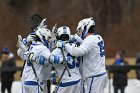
(34, 71)
(57, 86)
(66, 68)
(65, 62)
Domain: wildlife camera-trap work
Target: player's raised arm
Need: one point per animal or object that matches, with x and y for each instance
(83, 49)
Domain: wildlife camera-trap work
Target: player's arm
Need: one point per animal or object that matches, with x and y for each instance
(83, 49)
(20, 53)
(57, 58)
(75, 38)
(43, 57)
(22, 47)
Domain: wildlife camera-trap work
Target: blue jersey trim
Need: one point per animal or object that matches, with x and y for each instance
(83, 87)
(32, 83)
(99, 75)
(45, 42)
(68, 83)
(91, 85)
(35, 44)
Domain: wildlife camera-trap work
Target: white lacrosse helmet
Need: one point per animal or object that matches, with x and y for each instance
(84, 25)
(43, 33)
(63, 30)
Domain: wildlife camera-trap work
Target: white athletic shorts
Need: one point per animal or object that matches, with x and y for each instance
(70, 87)
(32, 87)
(95, 84)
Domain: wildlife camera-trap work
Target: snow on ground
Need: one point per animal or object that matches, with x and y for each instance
(133, 87)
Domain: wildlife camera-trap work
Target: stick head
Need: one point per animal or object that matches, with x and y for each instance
(36, 19)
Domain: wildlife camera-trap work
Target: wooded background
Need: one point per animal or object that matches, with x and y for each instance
(117, 21)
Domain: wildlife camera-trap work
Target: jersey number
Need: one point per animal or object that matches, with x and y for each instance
(102, 50)
(74, 64)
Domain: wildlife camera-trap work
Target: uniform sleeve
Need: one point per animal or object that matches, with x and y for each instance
(44, 56)
(56, 51)
(46, 53)
(20, 54)
(83, 49)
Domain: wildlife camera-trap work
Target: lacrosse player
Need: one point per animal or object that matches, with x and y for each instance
(92, 50)
(37, 68)
(68, 84)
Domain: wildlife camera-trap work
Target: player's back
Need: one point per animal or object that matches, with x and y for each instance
(42, 70)
(94, 61)
(73, 67)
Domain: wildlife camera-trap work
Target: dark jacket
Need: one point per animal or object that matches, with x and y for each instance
(120, 76)
(8, 68)
(138, 63)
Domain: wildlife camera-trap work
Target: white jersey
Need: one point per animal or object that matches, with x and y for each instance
(74, 67)
(92, 50)
(43, 71)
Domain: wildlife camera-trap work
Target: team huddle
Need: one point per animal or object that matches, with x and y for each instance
(79, 60)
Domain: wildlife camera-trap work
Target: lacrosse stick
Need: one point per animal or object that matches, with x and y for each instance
(57, 86)
(34, 71)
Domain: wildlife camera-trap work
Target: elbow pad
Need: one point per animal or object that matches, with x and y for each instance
(57, 59)
(42, 60)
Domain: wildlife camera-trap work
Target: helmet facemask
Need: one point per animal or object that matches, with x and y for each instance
(63, 33)
(64, 37)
